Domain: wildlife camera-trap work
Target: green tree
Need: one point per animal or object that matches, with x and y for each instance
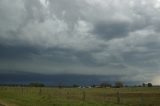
(143, 84)
(36, 84)
(118, 84)
(105, 84)
(149, 84)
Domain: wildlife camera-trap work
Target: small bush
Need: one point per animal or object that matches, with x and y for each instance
(36, 84)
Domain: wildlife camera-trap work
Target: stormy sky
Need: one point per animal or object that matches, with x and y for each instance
(90, 37)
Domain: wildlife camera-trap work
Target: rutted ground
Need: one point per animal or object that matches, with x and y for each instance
(1, 103)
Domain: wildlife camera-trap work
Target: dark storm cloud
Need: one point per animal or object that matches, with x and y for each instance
(59, 55)
(7, 52)
(111, 30)
(110, 37)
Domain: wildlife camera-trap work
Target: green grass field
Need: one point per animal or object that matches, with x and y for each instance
(130, 96)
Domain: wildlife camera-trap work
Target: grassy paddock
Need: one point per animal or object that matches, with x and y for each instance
(30, 96)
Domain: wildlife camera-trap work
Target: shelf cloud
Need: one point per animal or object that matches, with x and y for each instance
(91, 37)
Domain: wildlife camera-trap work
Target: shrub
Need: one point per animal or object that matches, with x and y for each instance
(36, 84)
(118, 84)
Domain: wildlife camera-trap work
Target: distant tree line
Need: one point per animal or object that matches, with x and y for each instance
(147, 85)
(36, 84)
(117, 84)
(32, 84)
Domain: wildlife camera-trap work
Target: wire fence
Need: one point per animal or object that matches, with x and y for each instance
(82, 97)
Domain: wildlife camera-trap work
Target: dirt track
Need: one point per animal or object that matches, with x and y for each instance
(2, 104)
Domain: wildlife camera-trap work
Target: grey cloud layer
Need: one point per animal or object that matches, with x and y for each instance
(82, 36)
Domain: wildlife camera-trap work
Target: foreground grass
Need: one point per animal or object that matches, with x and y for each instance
(20, 96)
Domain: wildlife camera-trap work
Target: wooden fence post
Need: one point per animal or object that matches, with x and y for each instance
(22, 90)
(83, 96)
(104, 97)
(40, 91)
(118, 98)
(67, 95)
(142, 101)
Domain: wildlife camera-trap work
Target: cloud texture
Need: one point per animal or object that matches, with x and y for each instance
(104, 37)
